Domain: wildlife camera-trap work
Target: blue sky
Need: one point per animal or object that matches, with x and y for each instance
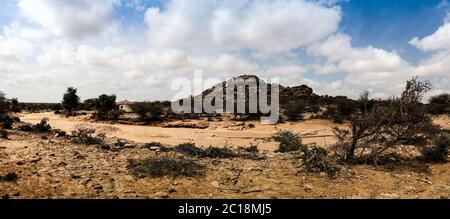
(390, 24)
(338, 47)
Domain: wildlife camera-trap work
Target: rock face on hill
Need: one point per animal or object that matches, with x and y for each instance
(287, 94)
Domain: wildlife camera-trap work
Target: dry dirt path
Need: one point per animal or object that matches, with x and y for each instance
(318, 131)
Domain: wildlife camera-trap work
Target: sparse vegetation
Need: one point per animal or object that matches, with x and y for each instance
(88, 136)
(7, 122)
(392, 122)
(438, 152)
(288, 141)
(3, 133)
(105, 107)
(25, 127)
(43, 126)
(10, 177)
(294, 110)
(439, 104)
(148, 111)
(189, 149)
(166, 166)
(316, 159)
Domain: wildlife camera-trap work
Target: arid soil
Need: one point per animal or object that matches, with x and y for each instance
(53, 167)
(217, 134)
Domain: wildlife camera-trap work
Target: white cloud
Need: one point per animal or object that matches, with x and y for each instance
(437, 66)
(70, 18)
(262, 26)
(440, 40)
(342, 57)
(381, 71)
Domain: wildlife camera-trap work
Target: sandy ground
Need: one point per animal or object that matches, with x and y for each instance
(54, 167)
(318, 131)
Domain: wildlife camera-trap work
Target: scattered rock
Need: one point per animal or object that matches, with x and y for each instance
(253, 190)
(425, 180)
(308, 187)
(121, 142)
(389, 195)
(182, 124)
(215, 184)
(154, 148)
(98, 187)
(129, 145)
(62, 164)
(85, 181)
(172, 190)
(36, 159)
(162, 195)
(20, 162)
(16, 194)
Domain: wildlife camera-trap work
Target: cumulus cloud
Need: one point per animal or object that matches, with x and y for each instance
(376, 69)
(62, 43)
(342, 57)
(262, 26)
(436, 68)
(70, 18)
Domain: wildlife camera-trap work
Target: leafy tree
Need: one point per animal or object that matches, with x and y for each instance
(89, 104)
(70, 100)
(104, 105)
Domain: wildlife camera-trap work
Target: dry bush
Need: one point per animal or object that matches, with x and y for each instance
(42, 126)
(166, 166)
(294, 110)
(3, 133)
(314, 159)
(87, 136)
(225, 152)
(10, 177)
(153, 144)
(7, 122)
(189, 149)
(317, 159)
(389, 124)
(25, 127)
(438, 152)
(215, 152)
(210, 152)
(288, 141)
